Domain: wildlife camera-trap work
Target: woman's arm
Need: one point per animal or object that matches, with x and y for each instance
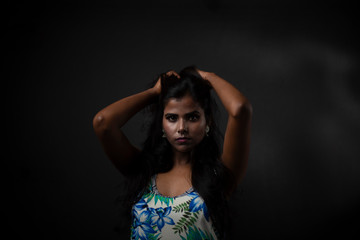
(237, 136)
(108, 122)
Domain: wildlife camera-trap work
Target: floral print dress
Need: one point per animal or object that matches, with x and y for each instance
(182, 217)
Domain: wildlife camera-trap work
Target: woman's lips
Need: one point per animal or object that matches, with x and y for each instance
(182, 140)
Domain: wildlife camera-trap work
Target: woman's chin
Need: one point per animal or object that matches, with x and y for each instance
(183, 149)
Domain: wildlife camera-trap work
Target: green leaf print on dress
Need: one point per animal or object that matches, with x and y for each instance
(195, 233)
(162, 199)
(189, 217)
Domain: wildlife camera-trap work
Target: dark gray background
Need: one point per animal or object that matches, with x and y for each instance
(296, 62)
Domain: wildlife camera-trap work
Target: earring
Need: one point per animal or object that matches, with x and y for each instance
(164, 134)
(207, 129)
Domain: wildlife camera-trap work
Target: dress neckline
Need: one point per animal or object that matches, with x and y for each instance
(156, 191)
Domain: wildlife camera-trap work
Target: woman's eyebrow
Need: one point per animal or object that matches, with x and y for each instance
(187, 114)
(193, 113)
(170, 114)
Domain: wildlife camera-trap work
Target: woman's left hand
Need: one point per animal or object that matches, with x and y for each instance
(203, 74)
(206, 75)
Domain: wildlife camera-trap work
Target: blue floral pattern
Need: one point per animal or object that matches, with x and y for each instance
(197, 204)
(182, 217)
(141, 227)
(160, 217)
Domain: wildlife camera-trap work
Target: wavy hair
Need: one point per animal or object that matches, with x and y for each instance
(210, 178)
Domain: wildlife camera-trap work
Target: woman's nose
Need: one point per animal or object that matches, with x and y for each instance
(182, 127)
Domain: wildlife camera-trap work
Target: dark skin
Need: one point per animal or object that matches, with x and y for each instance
(108, 122)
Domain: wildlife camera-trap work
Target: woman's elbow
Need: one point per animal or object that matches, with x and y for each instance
(99, 123)
(242, 109)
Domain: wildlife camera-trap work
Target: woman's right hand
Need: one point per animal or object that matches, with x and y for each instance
(157, 86)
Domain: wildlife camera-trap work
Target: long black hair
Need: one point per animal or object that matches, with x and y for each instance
(210, 178)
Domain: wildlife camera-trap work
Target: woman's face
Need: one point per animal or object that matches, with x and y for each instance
(184, 123)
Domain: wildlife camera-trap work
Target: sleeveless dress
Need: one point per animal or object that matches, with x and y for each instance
(160, 217)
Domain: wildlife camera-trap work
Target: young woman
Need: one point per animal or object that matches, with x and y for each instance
(179, 182)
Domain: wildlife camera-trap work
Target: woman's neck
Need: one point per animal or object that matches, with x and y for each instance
(181, 159)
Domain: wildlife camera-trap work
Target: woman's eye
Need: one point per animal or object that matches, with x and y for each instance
(171, 118)
(193, 118)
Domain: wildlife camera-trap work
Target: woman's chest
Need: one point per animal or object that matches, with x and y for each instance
(172, 184)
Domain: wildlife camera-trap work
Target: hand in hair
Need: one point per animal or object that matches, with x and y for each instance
(203, 74)
(171, 72)
(157, 86)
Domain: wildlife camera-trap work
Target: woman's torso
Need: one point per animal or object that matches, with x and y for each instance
(184, 216)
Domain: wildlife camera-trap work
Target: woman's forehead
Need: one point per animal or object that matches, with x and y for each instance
(184, 104)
